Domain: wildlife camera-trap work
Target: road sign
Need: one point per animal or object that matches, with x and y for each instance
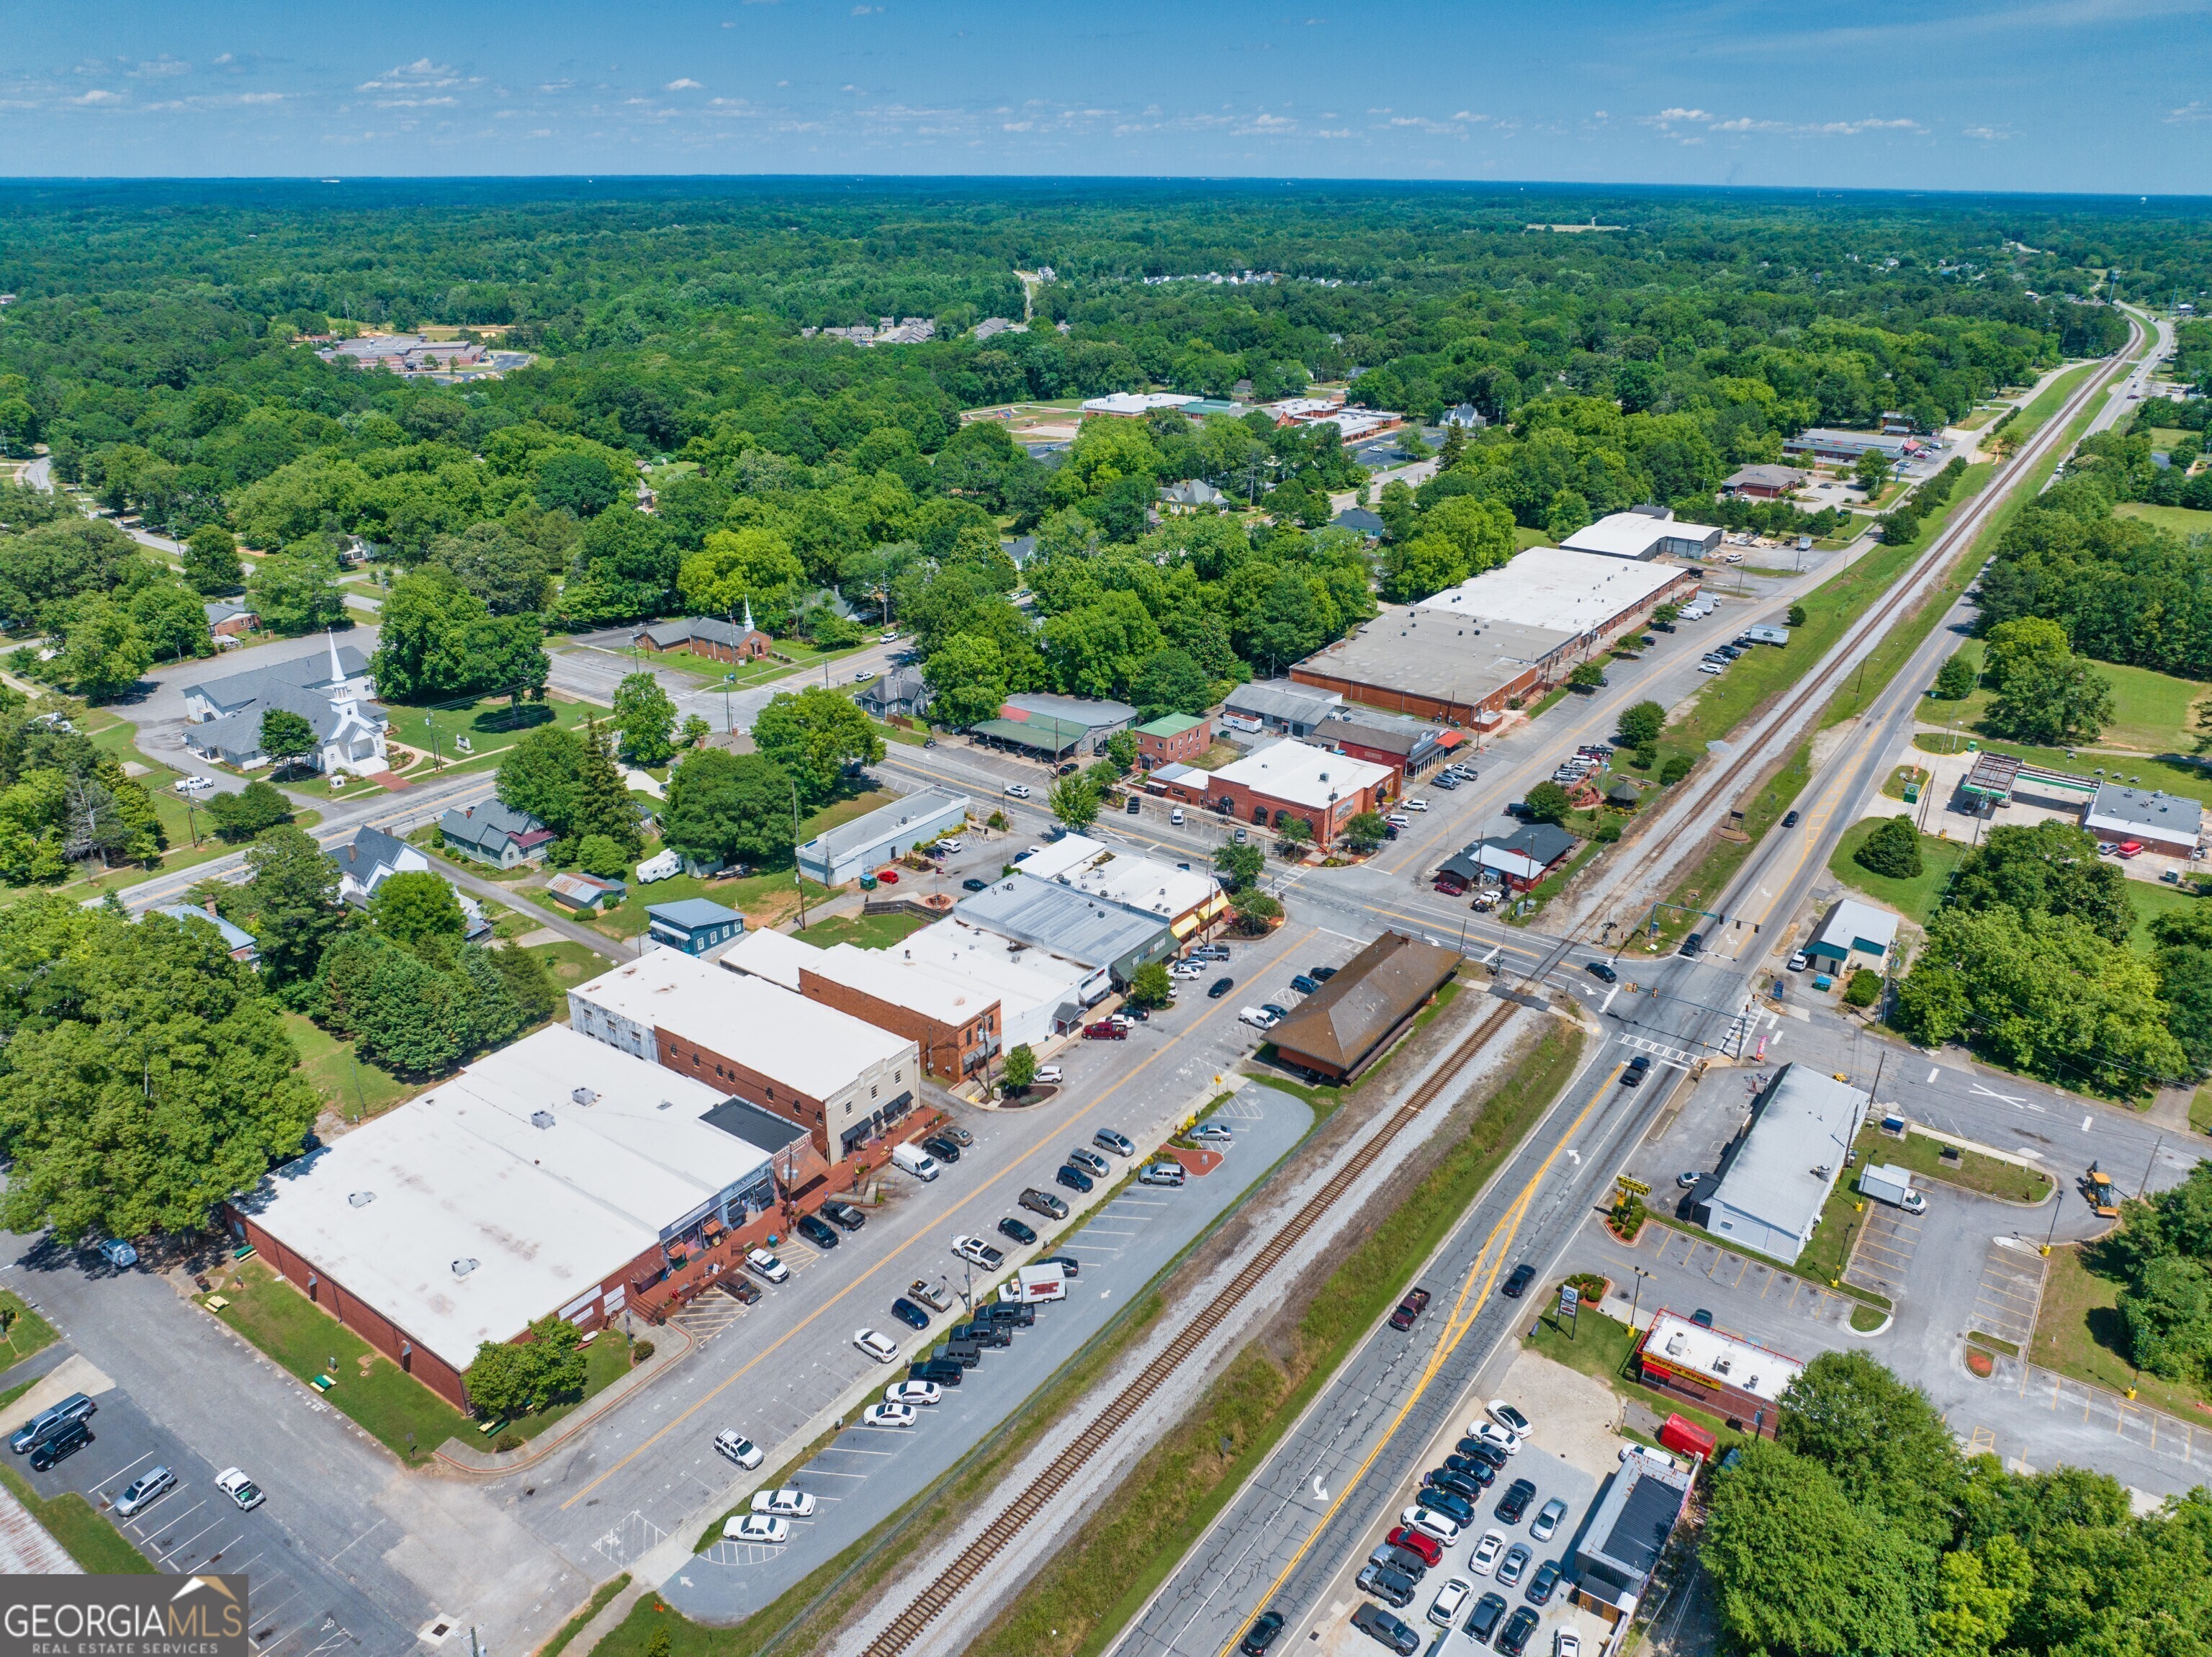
(1570, 1299)
(1636, 1186)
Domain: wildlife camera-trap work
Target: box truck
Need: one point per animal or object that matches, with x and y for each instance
(1033, 1283)
(916, 1161)
(1887, 1182)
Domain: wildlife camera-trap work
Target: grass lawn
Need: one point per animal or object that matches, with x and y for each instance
(763, 899)
(600, 1598)
(1991, 1175)
(2079, 1333)
(1979, 418)
(1524, 538)
(27, 1332)
(1894, 784)
(1600, 1349)
(2150, 900)
(899, 734)
(2182, 520)
(2200, 1110)
(2154, 713)
(120, 738)
(862, 931)
(355, 1087)
(84, 1535)
(383, 1399)
(1915, 898)
(1551, 886)
(489, 724)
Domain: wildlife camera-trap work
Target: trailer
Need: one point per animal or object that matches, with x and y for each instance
(1887, 1182)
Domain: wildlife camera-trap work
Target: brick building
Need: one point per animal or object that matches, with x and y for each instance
(843, 1080)
(705, 636)
(1173, 739)
(1287, 779)
(955, 1027)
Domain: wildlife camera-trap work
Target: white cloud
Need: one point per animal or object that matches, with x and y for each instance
(1703, 121)
(686, 84)
(2195, 110)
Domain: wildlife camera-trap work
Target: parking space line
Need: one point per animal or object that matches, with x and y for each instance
(172, 1552)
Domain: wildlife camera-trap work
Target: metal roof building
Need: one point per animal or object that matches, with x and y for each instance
(849, 850)
(1627, 1533)
(1645, 533)
(1852, 925)
(1775, 1175)
(2165, 822)
(1077, 926)
(1350, 1022)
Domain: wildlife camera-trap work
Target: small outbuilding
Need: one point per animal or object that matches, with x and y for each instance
(1853, 927)
(697, 926)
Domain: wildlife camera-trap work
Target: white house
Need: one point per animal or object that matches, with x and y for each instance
(331, 693)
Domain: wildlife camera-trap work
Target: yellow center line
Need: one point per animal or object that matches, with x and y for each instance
(990, 1190)
(1501, 1235)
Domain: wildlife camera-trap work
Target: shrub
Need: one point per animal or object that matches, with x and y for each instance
(1678, 767)
(1863, 989)
(1796, 615)
(1893, 849)
(639, 1351)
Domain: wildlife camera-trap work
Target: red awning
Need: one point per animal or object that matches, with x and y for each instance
(1451, 739)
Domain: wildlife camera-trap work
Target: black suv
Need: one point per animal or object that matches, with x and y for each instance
(942, 1371)
(941, 1148)
(1515, 1502)
(1482, 1622)
(815, 1232)
(62, 1445)
(1514, 1639)
(1522, 1276)
(1633, 1075)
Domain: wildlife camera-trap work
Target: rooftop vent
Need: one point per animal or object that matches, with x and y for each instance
(666, 1105)
(583, 1096)
(541, 1119)
(462, 1268)
(361, 1199)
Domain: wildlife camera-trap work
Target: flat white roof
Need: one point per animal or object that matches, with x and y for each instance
(1023, 979)
(501, 1169)
(776, 956)
(1302, 774)
(1806, 1124)
(1127, 877)
(2125, 811)
(1720, 1358)
(1550, 587)
(1633, 534)
(812, 1049)
(1138, 402)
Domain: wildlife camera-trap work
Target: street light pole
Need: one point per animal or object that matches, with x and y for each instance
(1636, 1302)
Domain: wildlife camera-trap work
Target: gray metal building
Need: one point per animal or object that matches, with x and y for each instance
(1775, 1175)
(851, 849)
(1076, 925)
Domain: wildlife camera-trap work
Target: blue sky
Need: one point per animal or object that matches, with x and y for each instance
(2091, 95)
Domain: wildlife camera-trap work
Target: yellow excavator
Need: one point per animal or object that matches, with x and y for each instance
(2097, 1191)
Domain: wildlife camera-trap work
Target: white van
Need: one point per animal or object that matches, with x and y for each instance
(916, 1161)
(1258, 1018)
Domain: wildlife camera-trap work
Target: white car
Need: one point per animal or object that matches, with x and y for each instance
(195, 784)
(911, 1392)
(1399, 820)
(1510, 1419)
(239, 1488)
(1188, 968)
(1495, 1436)
(888, 1415)
(1050, 1074)
(1449, 1598)
(1709, 668)
(951, 845)
(1176, 817)
(786, 1503)
(1799, 961)
(740, 1448)
(977, 1252)
(864, 675)
(1413, 805)
(1017, 791)
(767, 1265)
(1565, 1642)
(1483, 1559)
(1258, 1018)
(756, 1527)
(881, 1348)
(1436, 1525)
(887, 638)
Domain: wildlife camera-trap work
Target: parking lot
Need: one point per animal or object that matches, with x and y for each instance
(868, 1472)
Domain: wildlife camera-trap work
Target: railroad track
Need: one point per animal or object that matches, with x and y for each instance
(1012, 1520)
(1817, 687)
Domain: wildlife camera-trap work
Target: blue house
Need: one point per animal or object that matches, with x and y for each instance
(695, 925)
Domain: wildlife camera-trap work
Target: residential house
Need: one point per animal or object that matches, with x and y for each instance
(496, 834)
(1190, 494)
(241, 944)
(228, 621)
(1361, 520)
(371, 858)
(902, 693)
(697, 926)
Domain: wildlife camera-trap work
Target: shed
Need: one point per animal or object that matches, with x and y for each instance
(586, 893)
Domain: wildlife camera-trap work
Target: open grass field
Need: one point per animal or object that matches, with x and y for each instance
(862, 931)
(488, 724)
(353, 1086)
(2180, 520)
(765, 900)
(2154, 713)
(2079, 1333)
(1915, 898)
(27, 1332)
(1991, 1176)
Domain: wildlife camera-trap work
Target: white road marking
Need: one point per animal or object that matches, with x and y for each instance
(1318, 1491)
(1933, 1072)
(1985, 1092)
(2085, 1121)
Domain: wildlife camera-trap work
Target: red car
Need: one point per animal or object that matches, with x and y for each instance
(888, 876)
(1419, 1542)
(1411, 1308)
(2130, 849)
(1105, 1030)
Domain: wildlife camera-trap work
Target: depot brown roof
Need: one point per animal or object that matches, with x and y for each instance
(1355, 1012)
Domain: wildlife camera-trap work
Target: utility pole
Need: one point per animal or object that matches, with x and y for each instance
(2151, 1166)
(798, 880)
(1636, 1302)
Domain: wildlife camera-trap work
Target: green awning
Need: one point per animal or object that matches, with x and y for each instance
(1039, 731)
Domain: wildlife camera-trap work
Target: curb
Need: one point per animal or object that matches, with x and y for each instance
(467, 1460)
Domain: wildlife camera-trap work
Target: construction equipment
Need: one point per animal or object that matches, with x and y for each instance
(2097, 1191)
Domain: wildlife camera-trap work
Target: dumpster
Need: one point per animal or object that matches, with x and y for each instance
(1686, 1437)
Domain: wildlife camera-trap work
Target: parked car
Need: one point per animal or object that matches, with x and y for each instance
(1513, 1640)
(1523, 1275)
(143, 1491)
(909, 1313)
(977, 1252)
(756, 1527)
(937, 1296)
(1799, 961)
(54, 1418)
(1213, 1133)
(1120, 1144)
(973, 885)
(740, 1290)
(789, 1502)
(739, 1448)
(1483, 1559)
(1448, 1504)
(762, 1264)
(1392, 1587)
(843, 1215)
(1069, 1265)
(1050, 1076)
(1457, 1482)
(1219, 988)
(1386, 1630)
(1090, 1161)
(1546, 1525)
(880, 1347)
(1258, 1017)
(1415, 1303)
(1498, 1438)
(1430, 1547)
(1015, 1230)
(1074, 1178)
(1482, 1622)
(1510, 1419)
(916, 1392)
(1489, 1454)
(1514, 1566)
(1515, 1502)
(958, 1134)
(815, 1232)
(1043, 1202)
(1539, 1591)
(1105, 1030)
(231, 1480)
(1688, 1179)
(1162, 1173)
(935, 1371)
(941, 1148)
(1304, 985)
(1565, 1642)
